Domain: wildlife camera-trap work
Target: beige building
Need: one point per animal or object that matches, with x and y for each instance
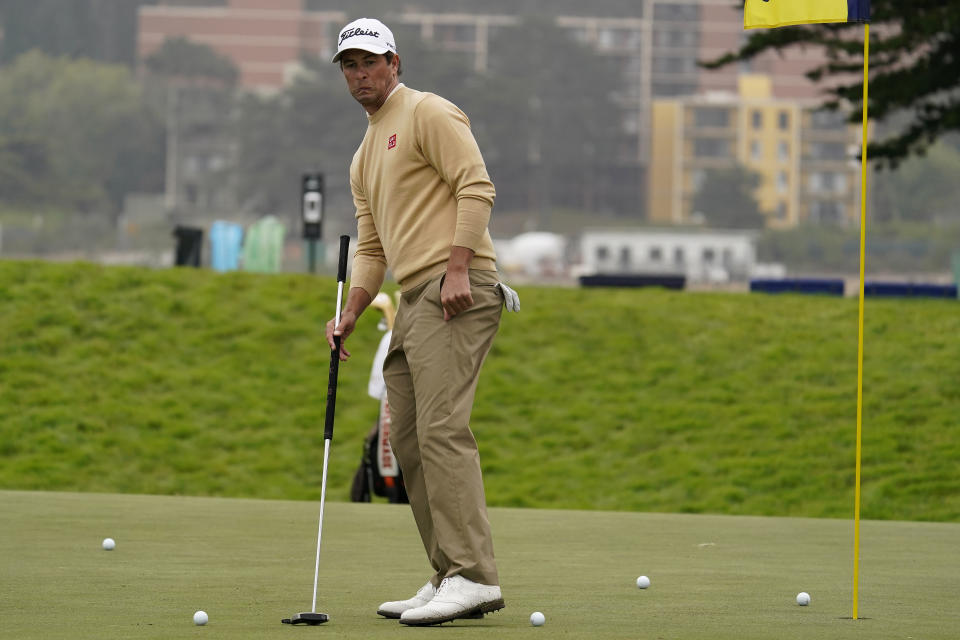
(806, 158)
(265, 39)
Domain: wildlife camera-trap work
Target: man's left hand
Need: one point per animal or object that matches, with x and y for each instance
(455, 296)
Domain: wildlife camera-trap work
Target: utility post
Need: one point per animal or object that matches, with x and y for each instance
(311, 210)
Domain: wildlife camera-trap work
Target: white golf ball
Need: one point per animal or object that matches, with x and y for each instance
(643, 582)
(537, 619)
(109, 544)
(803, 598)
(200, 618)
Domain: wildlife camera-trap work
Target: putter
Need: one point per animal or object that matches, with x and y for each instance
(312, 617)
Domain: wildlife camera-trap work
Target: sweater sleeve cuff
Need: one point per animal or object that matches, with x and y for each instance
(368, 275)
(473, 216)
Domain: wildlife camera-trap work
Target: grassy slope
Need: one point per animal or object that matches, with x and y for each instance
(249, 563)
(192, 382)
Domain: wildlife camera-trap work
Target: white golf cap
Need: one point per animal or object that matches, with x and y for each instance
(367, 34)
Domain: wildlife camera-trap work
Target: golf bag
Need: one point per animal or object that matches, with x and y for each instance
(379, 473)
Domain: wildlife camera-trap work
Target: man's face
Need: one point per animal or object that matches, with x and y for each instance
(370, 78)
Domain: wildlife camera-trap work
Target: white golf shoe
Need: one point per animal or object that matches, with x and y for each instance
(456, 598)
(395, 608)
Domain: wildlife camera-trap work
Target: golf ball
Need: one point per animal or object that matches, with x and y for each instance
(643, 582)
(200, 618)
(803, 598)
(537, 619)
(109, 544)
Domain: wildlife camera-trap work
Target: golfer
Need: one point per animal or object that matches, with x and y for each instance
(423, 201)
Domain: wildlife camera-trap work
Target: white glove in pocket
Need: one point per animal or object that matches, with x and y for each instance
(510, 298)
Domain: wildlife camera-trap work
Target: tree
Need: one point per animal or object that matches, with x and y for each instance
(180, 58)
(923, 189)
(103, 30)
(546, 112)
(914, 69)
(312, 125)
(24, 165)
(192, 87)
(69, 129)
(726, 199)
(543, 115)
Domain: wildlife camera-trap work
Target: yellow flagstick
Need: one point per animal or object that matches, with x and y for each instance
(863, 247)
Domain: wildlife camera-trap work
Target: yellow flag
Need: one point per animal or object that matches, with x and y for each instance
(780, 13)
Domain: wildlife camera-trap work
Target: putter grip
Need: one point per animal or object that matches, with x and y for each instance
(332, 389)
(342, 267)
(335, 352)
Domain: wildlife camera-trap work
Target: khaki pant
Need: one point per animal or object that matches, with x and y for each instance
(431, 373)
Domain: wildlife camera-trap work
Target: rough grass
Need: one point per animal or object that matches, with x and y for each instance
(191, 382)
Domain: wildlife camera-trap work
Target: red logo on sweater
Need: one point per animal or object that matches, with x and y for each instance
(392, 142)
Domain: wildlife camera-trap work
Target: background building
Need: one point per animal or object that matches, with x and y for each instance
(701, 256)
(265, 39)
(805, 157)
(654, 46)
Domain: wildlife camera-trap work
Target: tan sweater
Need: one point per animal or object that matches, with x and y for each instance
(420, 186)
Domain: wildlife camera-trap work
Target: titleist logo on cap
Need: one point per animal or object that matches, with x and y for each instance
(366, 34)
(359, 31)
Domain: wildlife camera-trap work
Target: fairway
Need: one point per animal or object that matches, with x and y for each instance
(249, 563)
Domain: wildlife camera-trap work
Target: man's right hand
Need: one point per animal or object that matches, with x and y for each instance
(357, 300)
(347, 323)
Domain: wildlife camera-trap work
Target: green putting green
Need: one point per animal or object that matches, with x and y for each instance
(249, 563)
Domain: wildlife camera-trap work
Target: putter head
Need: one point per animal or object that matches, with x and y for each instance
(309, 618)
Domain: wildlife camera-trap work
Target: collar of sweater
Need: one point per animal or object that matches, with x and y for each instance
(383, 108)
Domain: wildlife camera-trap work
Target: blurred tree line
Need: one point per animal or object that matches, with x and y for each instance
(83, 123)
(103, 30)
(892, 247)
(81, 134)
(75, 134)
(543, 128)
(75, 131)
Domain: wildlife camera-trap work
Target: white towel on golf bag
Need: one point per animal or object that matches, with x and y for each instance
(377, 387)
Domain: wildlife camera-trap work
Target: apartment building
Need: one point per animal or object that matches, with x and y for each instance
(264, 38)
(805, 157)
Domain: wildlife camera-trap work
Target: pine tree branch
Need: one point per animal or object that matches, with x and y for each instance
(914, 69)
